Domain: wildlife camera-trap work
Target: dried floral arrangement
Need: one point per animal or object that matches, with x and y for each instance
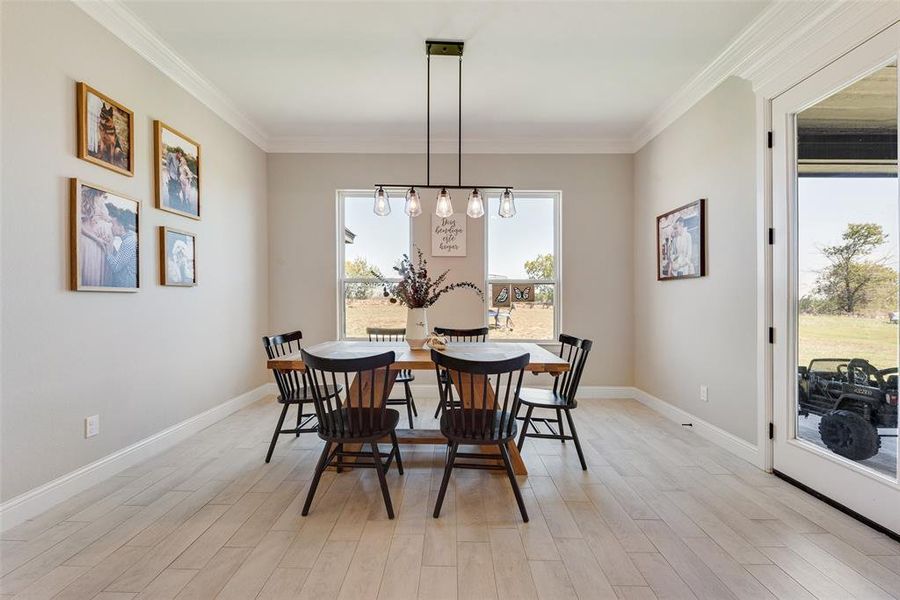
(416, 289)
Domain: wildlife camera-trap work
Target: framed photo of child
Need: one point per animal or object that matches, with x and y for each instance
(177, 168)
(105, 131)
(177, 255)
(105, 229)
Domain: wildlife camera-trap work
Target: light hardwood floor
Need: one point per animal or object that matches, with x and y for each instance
(660, 514)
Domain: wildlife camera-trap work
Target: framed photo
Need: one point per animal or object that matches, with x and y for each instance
(105, 230)
(177, 257)
(105, 131)
(500, 295)
(681, 242)
(177, 167)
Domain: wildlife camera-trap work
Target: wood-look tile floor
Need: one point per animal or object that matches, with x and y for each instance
(660, 514)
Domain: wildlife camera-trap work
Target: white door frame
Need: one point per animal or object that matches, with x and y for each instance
(874, 497)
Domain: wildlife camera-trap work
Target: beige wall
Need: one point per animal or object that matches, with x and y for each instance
(702, 331)
(141, 361)
(596, 241)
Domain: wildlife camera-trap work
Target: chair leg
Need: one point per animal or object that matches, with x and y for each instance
(299, 417)
(277, 431)
(320, 467)
(504, 452)
(409, 397)
(397, 452)
(448, 468)
(340, 459)
(562, 431)
(409, 412)
(525, 426)
(381, 479)
(575, 437)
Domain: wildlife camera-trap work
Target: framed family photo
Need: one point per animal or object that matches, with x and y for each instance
(105, 131)
(177, 257)
(177, 168)
(105, 232)
(681, 242)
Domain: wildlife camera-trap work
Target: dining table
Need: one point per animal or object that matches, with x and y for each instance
(540, 360)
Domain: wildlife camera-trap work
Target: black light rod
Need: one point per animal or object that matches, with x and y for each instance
(436, 186)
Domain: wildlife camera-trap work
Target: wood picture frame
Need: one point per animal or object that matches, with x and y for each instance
(172, 270)
(180, 196)
(681, 231)
(91, 269)
(99, 122)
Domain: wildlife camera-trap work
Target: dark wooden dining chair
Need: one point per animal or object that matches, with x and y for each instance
(479, 334)
(360, 417)
(393, 334)
(560, 399)
(486, 416)
(292, 388)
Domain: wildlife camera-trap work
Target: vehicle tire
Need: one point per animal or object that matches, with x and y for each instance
(849, 434)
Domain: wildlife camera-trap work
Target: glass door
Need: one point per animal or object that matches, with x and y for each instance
(836, 212)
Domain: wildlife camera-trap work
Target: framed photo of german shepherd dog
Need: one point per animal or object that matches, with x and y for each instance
(105, 131)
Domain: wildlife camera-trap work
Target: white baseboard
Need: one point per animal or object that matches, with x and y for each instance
(718, 436)
(33, 502)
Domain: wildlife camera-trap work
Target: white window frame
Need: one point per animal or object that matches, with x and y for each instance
(340, 198)
(557, 280)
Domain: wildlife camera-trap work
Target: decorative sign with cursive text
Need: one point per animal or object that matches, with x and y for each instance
(448, 235)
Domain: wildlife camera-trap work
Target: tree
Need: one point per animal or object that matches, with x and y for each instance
(852, 280)
(541, 267)
(359, 268)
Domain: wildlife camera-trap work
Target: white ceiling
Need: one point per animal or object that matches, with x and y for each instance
(569, 74)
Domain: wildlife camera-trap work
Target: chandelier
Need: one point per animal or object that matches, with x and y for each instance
(444, 205)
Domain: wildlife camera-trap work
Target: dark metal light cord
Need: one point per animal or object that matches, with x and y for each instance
(428, 126)
(459, 127)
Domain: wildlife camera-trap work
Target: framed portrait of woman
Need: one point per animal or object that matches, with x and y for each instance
(177, 257)
(177, 167)
(681, 242)
(105, 130)
(105, 232)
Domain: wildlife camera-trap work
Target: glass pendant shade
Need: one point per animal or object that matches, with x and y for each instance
(507, 204)
(382, 202)
(413, 203)
(444, 208)
(475, 207)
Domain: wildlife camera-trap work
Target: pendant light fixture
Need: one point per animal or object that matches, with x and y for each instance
(413, 206)
(382, 202)
(475, 207)
(507, 204)
(443, 203)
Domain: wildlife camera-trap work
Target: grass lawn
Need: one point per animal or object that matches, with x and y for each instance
(833, 336)
(530, 322)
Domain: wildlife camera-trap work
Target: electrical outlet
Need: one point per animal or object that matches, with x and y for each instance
(704, 393)
(91, 426)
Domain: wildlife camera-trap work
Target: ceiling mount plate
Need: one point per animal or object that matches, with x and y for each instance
(444, 47)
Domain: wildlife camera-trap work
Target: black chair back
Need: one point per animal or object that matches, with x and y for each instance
(478, 334)
(386, 334)
(489, 393)
(575, 351)
(358, 414)
(291, 384)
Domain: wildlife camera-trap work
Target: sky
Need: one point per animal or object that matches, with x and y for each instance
(382, 240)
(826, 205)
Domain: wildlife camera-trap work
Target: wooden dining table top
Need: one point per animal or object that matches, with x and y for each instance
(541, 360)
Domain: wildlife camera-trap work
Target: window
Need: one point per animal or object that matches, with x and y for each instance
(523, 258)
(368, 242)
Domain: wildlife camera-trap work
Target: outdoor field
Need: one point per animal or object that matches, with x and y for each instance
(534, 321)
(835, 336)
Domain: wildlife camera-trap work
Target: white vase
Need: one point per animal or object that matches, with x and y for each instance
(416, 327)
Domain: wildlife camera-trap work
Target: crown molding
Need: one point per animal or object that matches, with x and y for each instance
(124, 24)
(511, 145)
(769, 50)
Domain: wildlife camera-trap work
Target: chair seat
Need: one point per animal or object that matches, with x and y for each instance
(305, 395)
(405, 376)
(492, 433)
(540, 398)
(389, 420)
